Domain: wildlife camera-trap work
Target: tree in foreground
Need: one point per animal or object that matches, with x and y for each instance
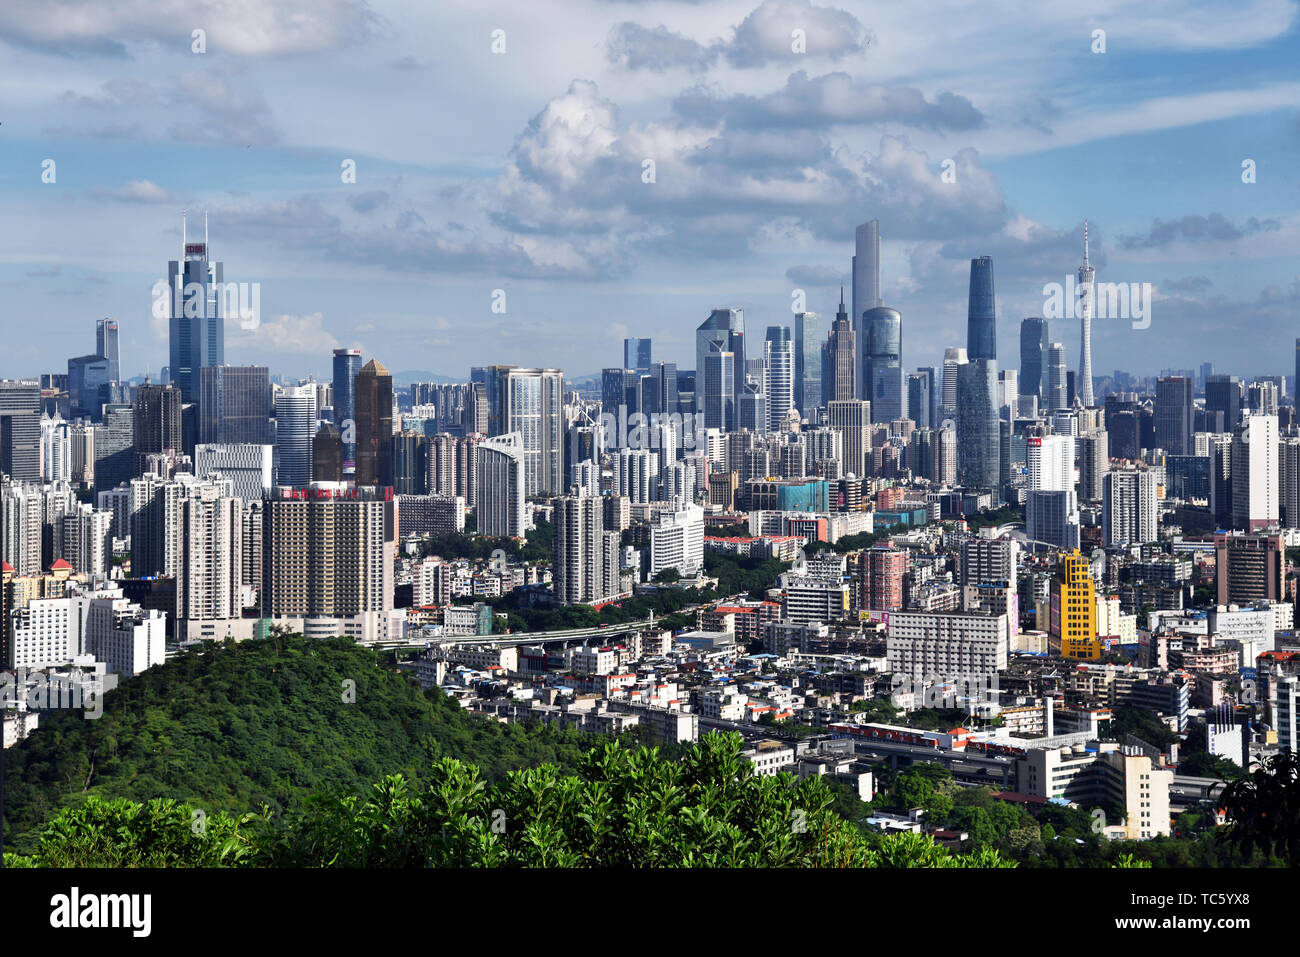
(1263, 811)
(624, 808)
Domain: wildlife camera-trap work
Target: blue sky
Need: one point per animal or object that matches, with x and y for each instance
(522, 171)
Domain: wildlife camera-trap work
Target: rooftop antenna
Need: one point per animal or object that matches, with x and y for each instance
(205, 235)
(183, 214)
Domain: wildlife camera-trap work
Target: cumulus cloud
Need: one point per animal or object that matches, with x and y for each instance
(818, 275)
(765, 35)
(833, 99)
(640, 48)
(285, 334)
(1213, 228)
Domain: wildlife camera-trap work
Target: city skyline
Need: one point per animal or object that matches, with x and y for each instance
(441, 215)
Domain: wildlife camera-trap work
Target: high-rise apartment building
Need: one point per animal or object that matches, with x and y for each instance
(501, 486)
(1254, 470)
(530, 402)
(1129, 509)
(586, 558)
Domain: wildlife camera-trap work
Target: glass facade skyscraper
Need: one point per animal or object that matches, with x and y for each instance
(1034, 340)
(883, 363)
(807, 362)
(723, 331)
(347, 363)
(106, 346)
(197, 332)
(981, 317)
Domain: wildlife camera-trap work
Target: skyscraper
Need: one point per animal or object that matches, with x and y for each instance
(1056, 396)
(981, 316)
(807, 362)
(20, 429)
(882, 366)
(979, 445)
(1129, 508)
(852, 419)
(778, 375)
(839, 371)
(723, 331)
(716, 395)
(347, 363)
(197, 326)
(295, 423)
(157, 422)
(1085, 324)
(1034, 343)
(501, 478)
(1223, 396)
(1255, 501)
(954, 357)
(920, 397)
(1173, 414)
(106, 346)
(866, 278)
(374, 417)
(636, 354)
(531, 402)
(234, 405)
(585, 556)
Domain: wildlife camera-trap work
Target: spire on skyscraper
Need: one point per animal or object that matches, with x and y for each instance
(1086, 274)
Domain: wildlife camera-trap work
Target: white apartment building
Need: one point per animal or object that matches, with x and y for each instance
(677, 541)
(947, 646)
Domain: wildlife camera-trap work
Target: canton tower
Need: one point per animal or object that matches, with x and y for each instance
(1085, 320)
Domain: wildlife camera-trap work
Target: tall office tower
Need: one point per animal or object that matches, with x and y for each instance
(114, 441)
(347, 363)
(1086, 299)
(723, 331)
(1008, 394)
(989, 560)
(1255, 473)
(20, 429)
(197, 329)
(88, 380)
(1262, 397)
(1249, 568)
(329, 557)
(716, 394)
(295, 424)
(1223, 394)
(1072, 631)
(1297, 372)
(662, 396)
(852, 419)
(920, 397)
(209, 581)
(752, 408)
(881, 570)
(613, 393)
(636, 354)
(778, 375)
(981, 315)
(979, 447)
(1034, 343)
(234, 405)
(807, 363)
(866, 279)
(1094, 460)
(1057, 394)
(502, 479)
(327, 454)
(954, 357)
(580, 571)
(531, 403)
(1288, 480)
(882, 363)
(374, 416)
(157, 423)
(1051, 507)
(840, 359)
(106, 346)
(1173, 414)
(250, 467)
(410, 463)
(1129, 512)
(920, 453)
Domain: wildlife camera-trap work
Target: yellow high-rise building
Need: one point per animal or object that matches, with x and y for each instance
(1072, 632)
